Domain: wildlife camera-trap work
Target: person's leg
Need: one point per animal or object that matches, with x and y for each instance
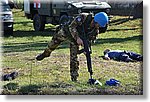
(125, 58)
(135, 56)
(74, 63)
(53, 44)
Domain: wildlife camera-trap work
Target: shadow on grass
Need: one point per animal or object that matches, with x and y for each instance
(34, 46)
(30, 46)
(37, 89)
(54, 88)
(63, 88)
(118, 29)
(119, 40)
(11, 86)
(119, 21)
(29, 89)
(47, 32)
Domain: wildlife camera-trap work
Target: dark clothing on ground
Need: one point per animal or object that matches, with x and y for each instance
(9, 77)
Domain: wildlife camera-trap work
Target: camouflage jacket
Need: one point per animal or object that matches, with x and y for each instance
(82, 24)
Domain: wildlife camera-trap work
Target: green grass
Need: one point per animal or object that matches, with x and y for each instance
(52, 75)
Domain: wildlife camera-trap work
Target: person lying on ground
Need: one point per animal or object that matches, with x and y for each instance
(120, 55)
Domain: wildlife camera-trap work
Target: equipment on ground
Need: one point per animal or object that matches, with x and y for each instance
(112, 82)
(9, 77)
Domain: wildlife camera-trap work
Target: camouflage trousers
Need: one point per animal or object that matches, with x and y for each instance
(59, 37)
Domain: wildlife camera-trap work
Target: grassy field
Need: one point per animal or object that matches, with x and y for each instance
(52, 75)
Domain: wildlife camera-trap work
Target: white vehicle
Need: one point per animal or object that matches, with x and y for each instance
(6, 18)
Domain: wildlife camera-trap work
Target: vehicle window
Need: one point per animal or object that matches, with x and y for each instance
(6, 8)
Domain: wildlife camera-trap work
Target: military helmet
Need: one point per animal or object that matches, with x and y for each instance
(101, 18)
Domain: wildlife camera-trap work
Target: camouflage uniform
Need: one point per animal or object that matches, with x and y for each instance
(71, 32)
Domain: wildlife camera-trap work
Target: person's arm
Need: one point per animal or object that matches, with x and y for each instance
(77, 21)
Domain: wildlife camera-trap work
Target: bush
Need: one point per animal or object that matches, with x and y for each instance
(18, 4)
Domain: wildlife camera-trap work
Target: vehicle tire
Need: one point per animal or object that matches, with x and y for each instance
(63, 19)
(102, 29)
(38, 22)
(8, 33)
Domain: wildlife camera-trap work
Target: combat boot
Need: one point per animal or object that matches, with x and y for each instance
(43, 55)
